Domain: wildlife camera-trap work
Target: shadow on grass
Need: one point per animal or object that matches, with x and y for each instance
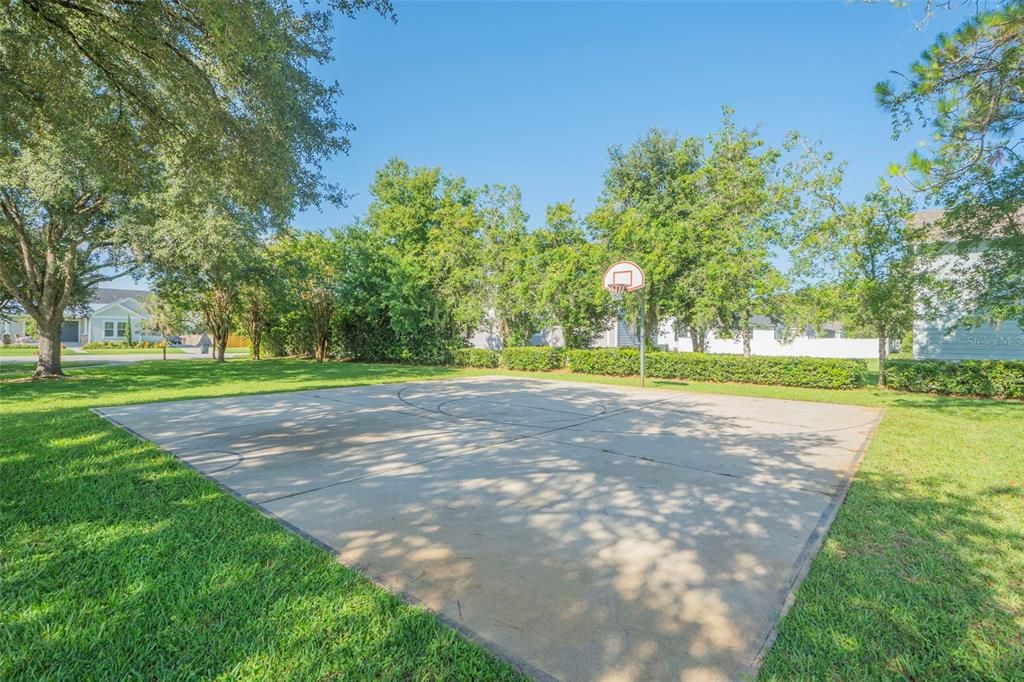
(914, 582)
(118, 562)
(157, 380)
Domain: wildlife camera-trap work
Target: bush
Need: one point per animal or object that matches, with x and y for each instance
(475, 357)
(618, 362)
(779, 371)
(532, 358)
(988, 378)
(122, 344)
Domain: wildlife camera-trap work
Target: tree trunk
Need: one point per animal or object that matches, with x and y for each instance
(165, 348)
(217, 315)
(48, 366)
(747, 334)
(883, 351)
(255, 341)
(698, 340)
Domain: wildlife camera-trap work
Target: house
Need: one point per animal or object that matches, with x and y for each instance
(942, 336)
(768, 339)
(105, 318)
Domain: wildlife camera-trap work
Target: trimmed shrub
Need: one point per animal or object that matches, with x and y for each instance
(618, 362)
(988, 378)
(779, 371)
(475, 357)
(123, 344)
(532, 358)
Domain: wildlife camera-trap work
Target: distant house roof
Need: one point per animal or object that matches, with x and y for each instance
(930, 222)
(106, 296)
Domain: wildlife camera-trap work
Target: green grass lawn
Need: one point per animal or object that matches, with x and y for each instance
(5, 352)
(117, 561)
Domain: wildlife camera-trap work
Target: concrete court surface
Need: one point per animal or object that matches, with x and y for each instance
(582, 531)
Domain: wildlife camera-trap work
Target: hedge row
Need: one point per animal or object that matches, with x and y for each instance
(758, 369)
(532, 358)
(989, 378)
(781, 371)
(123, 344)
(475, 357)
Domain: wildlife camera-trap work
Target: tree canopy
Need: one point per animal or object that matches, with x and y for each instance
(116, 113)
(967, 90)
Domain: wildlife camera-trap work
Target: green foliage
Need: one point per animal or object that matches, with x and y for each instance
(475, 357)
(94, 345)
(164, 318)
(205, 273)
(778, 371)
(512, 266)
(611, 361)
(307, 269)
(412, 285)
(532, 358)
(703, 218)
(967, 89)
(864, 258)
(116, 115)
(568, 284)
(989, 378)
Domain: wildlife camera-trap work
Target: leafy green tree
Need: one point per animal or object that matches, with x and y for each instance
(648, 191)
(967, 88)
(738, 208)
(309, 264)
(165, 319)
(106, 105)
(704, 218)
(511, 267)
(414, 289)
(204, 272)
(261, 294)
(868, 250)
(569, 279)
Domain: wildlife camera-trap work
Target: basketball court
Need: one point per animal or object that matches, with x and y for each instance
(581, 531)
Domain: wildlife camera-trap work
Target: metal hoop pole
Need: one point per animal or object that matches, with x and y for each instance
(643, 339)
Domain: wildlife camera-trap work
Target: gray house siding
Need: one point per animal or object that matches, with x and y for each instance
(986, 342)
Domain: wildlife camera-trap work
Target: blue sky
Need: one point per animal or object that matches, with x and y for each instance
(533, 93)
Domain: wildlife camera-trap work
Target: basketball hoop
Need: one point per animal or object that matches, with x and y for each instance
(622, 277)
(618, 279)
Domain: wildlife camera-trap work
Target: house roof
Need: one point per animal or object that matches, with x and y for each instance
(931, 224)
(105, 296)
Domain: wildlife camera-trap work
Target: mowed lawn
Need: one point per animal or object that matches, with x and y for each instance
(16, 352)
(117, 561)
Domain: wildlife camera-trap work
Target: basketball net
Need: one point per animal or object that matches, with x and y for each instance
(617, 290)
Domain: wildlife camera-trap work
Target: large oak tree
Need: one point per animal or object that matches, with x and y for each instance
(106, 103)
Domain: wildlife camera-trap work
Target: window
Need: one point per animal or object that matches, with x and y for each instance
(113, 329)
